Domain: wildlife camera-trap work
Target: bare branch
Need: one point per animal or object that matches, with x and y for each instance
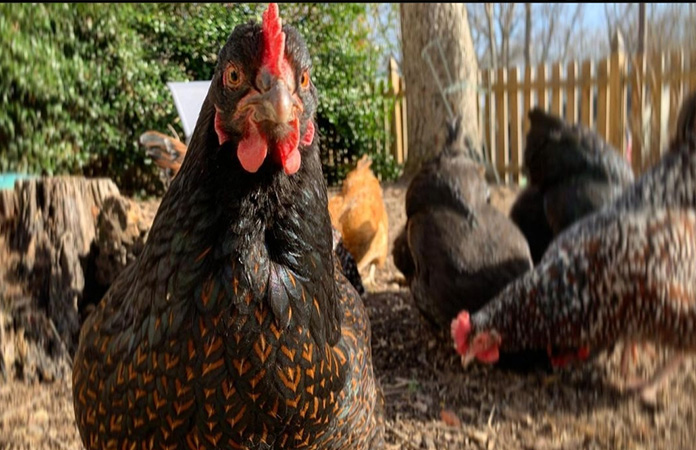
(506, 32)
(570, 29)
(491, 35)
(546, 43)
(527, 34)
(642, 29)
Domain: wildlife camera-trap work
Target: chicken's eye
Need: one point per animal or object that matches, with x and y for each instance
(233, 76)
(304, 81)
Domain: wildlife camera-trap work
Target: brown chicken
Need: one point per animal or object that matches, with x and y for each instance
(167, 153)
(235, 328)
(626, 272)
(358, 213)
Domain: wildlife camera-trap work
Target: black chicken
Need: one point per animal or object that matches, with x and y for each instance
(571, 171)
(235, 328)
(528, 214)
(347, 263)
(168, 153)
(402, 256)
(462, 250)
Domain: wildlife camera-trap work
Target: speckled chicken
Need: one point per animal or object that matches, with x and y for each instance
(626, 273)
(168, 153)
(671, 182)
(234, 328)
(571, 172)
(462, 249)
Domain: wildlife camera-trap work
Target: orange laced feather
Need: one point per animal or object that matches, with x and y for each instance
(273, 39)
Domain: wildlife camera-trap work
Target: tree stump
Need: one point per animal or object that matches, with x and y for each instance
(54, 232)
(8, 205)
(122, 228)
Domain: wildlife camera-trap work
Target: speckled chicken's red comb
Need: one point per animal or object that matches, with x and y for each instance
(273, 39)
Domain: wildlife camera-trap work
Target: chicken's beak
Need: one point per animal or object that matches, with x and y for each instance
(276, 105)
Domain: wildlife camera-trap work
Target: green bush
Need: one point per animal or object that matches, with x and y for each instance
(81, 82)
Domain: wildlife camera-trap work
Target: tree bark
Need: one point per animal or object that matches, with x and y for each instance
(54, 232)
(63, 241)
(8, 206)
(421, 23)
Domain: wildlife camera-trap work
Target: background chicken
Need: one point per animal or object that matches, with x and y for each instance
(528, 214)
(358, 213)
(462, 249)
(233, 328)
(168, 153)
(571, 172)
(625, 273)
(346, 262)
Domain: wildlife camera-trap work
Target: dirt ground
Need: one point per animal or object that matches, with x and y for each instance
(433, 403)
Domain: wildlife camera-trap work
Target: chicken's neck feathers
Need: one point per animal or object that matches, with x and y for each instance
(267, 233)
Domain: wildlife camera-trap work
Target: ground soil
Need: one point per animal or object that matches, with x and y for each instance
(432, 402)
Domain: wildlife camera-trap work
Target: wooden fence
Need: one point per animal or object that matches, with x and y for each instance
(617, 97)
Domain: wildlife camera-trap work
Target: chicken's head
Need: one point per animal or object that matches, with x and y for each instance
(482, 345)
(263, 94)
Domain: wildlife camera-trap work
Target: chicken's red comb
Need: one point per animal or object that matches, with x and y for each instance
(273, 39)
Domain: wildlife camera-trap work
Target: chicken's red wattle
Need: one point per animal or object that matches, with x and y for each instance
(287, 153)
(252, 150)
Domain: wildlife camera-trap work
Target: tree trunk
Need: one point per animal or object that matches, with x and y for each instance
(63, 241)
(54, 231)
(421, 23)
(8, 206)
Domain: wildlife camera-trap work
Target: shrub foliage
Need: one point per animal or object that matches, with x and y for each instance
(81, 82)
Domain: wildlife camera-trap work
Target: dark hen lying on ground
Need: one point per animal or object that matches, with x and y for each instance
(462, 249)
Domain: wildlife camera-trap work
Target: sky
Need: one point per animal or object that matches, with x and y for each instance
(594, 14)
(593, 19)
